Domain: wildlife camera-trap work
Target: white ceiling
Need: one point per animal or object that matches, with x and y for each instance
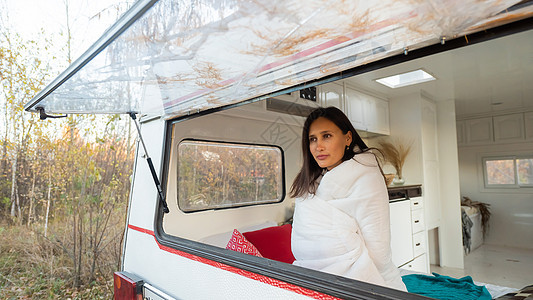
(477, 77)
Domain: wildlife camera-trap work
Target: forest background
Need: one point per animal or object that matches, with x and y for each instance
(64, 183)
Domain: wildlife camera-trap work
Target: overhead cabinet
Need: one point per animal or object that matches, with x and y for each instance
(356, 108)
(479, 131)
(378, 116)
(366, 112)
(332, 95)
(509, 128)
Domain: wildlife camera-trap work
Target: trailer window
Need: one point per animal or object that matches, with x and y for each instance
(512, 172)
(213, 175)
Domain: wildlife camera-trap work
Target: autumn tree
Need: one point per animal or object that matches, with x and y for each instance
(66, 179)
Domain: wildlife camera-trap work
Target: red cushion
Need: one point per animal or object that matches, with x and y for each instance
(273, 242)
(239, 243)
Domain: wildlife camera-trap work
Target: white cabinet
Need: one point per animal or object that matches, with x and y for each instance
(479, 131)
(419, 244)
(401, 233)
(377, 113)
(409, 235)
(355, 108)
(417, 220)
(367, 112)
(509, 128)
(332, 94)
(418, 264)
(528, 120)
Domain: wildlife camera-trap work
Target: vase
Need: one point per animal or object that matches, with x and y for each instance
(398, 180)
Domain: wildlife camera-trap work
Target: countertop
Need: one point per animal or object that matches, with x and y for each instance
(397, 192)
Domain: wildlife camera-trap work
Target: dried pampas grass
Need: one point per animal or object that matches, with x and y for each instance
(395, 154)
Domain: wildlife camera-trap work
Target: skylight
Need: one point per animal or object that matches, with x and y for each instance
(405, 79)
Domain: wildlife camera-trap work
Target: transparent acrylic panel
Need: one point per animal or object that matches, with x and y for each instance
(220, 175)
(525, 171)
(500, 172)
(184, 56)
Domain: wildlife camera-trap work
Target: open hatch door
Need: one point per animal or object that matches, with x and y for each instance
(171, 58)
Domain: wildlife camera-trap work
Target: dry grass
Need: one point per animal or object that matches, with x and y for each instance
(395, 153)
(33, 267)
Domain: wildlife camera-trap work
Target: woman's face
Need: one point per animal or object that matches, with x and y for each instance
(327, 143)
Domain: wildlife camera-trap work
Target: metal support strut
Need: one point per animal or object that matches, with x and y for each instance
(150, 165)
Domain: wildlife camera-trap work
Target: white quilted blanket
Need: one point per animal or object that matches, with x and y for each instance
(344, 229)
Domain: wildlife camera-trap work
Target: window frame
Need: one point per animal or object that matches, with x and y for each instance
(514, 158)
(485, 159)
(282, 170)
(329, 284)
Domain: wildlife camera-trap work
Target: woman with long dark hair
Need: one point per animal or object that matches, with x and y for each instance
(341, 221)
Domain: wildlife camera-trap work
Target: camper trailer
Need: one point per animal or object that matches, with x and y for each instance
(220, 90)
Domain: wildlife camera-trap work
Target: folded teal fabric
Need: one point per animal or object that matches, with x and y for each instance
(445, 287)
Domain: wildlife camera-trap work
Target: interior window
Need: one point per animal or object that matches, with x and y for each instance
(215, 175)
(508, 171)
(500, 172)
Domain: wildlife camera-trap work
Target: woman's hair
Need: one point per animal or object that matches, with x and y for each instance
(304, 183)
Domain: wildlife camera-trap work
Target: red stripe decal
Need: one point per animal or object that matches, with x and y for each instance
(150, 232)
(248, 274)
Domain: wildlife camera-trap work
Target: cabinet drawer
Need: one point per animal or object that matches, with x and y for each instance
(419, 264)
(416, 203)
(419, 243)
(417, 219)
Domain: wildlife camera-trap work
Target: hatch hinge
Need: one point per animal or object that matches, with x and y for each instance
(43, 115)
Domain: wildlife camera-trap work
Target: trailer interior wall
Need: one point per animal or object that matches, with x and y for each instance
(511, 222)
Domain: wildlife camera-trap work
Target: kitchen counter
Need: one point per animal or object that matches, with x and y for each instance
(397, 192)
